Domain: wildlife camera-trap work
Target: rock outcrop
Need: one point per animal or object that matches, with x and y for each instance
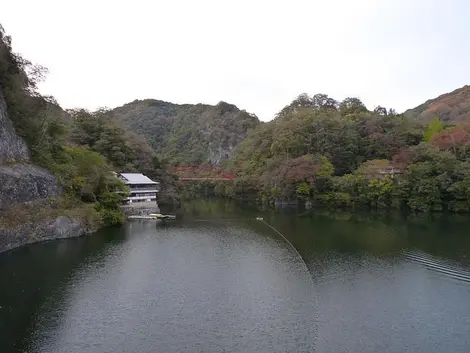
(33, 232)
(25, 183)
(12, 147)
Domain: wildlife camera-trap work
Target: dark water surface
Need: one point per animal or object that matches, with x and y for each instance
(217, 280)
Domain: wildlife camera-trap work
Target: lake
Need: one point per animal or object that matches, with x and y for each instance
(218, 280)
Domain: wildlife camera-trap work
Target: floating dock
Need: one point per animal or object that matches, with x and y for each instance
(154, 216)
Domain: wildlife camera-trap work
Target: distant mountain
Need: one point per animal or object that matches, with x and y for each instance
(449, 107)
(187, 134)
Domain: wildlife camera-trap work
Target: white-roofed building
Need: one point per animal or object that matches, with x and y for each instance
(142, 188)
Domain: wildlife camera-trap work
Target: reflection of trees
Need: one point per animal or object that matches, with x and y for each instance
(382, 234)
(32, 275)
(216, 207)
(317, 233)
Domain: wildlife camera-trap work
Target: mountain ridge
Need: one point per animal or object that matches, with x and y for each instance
(186, 133)
(451, 107)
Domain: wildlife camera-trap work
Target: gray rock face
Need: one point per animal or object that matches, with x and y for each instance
(219, 154)
(23, 183)
(28, 233)
(12, 147)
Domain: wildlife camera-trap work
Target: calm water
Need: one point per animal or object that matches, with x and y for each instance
(217, 280)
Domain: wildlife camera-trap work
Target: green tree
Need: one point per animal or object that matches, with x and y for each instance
(432, 178)
(302, 189)
(352, 106)
(86, 175)
(434, 127)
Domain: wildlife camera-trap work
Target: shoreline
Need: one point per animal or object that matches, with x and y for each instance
(60, 227)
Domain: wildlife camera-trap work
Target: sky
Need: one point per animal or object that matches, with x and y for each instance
(256, 54)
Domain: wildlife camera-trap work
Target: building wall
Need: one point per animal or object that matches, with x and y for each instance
(145, 193)
(142, 192)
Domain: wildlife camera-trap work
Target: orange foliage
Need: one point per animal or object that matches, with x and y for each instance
(402, 158)
(298, 169)
(452, 137)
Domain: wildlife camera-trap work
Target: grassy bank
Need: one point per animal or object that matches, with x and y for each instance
(18, 214)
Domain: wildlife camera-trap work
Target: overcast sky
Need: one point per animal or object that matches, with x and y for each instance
(256, 54)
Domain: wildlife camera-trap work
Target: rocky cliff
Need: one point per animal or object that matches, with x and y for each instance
(21, 182)
(12, 147)
(25, 183)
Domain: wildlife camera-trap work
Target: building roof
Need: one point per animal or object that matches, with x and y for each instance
(136, 178)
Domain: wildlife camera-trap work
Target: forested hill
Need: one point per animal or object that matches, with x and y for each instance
(187, 134)
(449, 107)
(346, 133)
(341, 154)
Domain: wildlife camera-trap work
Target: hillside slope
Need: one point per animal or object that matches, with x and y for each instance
(449, 107)
(187, 134)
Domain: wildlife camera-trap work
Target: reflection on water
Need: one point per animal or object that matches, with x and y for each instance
(217, 280)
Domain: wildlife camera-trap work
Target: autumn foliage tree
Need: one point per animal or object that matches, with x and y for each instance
(453, 138)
